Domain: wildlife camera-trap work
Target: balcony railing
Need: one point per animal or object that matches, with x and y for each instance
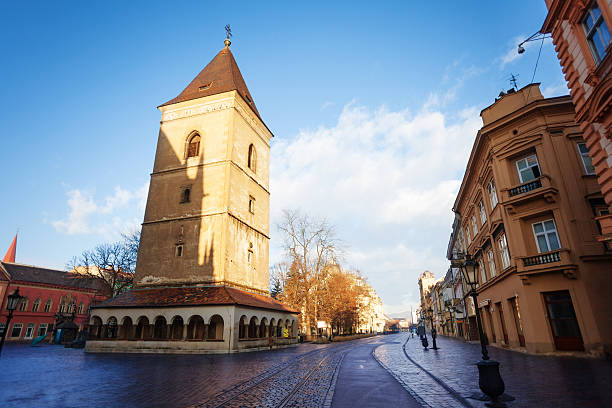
(526, 187)
(542, 258)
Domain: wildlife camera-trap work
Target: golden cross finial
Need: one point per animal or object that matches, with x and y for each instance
(228, 34)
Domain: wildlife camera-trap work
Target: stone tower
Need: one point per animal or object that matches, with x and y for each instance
(207, 214)
(201, 283)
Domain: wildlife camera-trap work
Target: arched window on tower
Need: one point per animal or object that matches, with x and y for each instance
(193, 148)
(252, 162)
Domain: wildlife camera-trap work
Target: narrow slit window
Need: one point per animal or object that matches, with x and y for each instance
(179, 250)
(252, 159)
(251, 205)
(186, 195)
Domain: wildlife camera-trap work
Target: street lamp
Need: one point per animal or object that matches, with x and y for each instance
(12, 301)
(489, 380)
(433, 329)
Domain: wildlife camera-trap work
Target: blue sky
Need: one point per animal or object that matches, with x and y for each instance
(374, 107)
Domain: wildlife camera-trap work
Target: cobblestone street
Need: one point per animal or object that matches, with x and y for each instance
(337, 375)
(448, 377)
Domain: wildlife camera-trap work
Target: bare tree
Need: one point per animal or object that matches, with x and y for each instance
(114, 264)
(310, 245)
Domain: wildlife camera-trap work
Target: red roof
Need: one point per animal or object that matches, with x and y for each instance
(220, 75)
(193, 296)
(10, 254)
(35, 274)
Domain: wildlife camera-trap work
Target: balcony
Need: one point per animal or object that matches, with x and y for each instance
(540, 188)
(546, 262)
(554, 256)
(526, 187)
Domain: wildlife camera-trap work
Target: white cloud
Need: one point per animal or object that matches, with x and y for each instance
(387, 180)
(555, 90)
(326, 105)
(118, 213)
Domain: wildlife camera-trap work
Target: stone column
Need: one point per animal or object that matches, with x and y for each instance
(205, 332)
(184, 337)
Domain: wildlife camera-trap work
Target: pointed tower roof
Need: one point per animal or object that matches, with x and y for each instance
(10, 254)
(220, 75)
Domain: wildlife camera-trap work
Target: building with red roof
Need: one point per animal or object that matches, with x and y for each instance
(201, 283)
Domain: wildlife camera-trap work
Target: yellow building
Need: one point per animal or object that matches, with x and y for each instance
(202, 269)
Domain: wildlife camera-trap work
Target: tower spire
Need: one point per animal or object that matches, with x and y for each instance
(10, 254)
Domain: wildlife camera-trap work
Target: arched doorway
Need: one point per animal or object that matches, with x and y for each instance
(215, 328)
(176, 330)
(160, 328)
(195, 328)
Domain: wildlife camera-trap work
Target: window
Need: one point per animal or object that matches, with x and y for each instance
(250, 253)
(528, 168)
(474, 226)
(587, 161)
(2, 328)
(193, 148)
(251, 205)
(467, 234)
(545, 233)
(81, 308)
(23, 304)
(503, 251)
(252, 160)
(42, 329)
(185, 195)
(36, 305)
(205, 86)
(483, 271)
(29, 332)
(596, 31)
(16, 332)
(178, 251)
(491, 259)
(483, 215)
(492, 193)
(48, 306)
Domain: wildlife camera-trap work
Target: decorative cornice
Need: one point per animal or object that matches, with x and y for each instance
(199, 109)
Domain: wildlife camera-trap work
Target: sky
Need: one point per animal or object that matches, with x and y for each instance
(374, 108)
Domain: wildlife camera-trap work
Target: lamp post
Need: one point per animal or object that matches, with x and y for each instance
(12, 301)
(433, 329)
(489, 381)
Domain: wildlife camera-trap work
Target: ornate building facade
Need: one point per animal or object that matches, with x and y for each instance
(201, 283)
(581, 33)
(525, 209)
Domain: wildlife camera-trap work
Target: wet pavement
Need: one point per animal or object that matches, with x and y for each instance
(348, 374)
(448, 377)
(302, 376)
(363, 382)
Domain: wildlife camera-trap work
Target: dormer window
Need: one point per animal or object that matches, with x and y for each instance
(193, 147)
(597, 33)
(205, 86)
